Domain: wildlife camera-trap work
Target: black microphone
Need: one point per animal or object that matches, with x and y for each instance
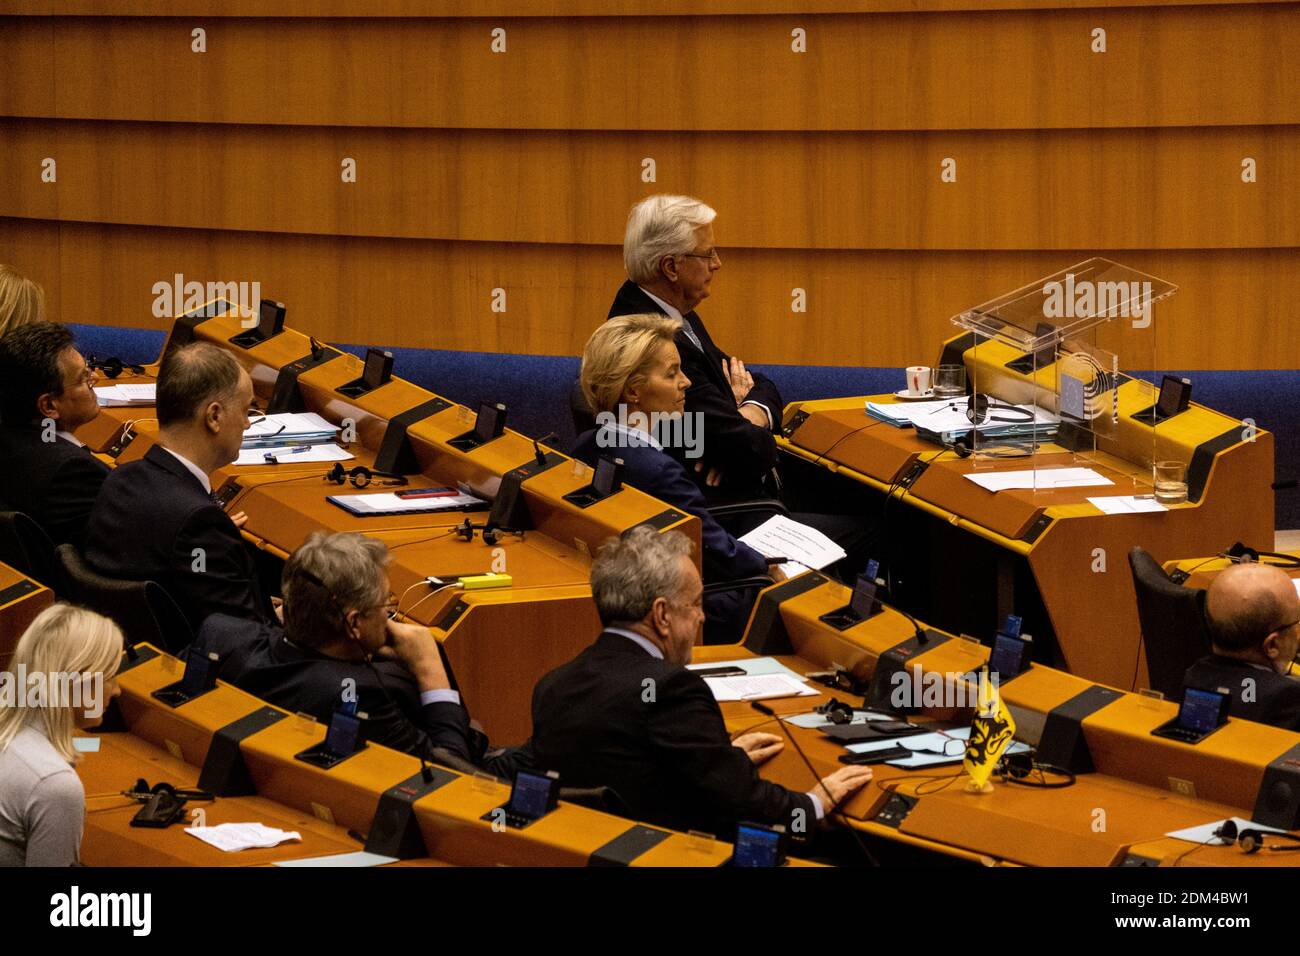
(537, 448)
(767, 711)
(922, 638)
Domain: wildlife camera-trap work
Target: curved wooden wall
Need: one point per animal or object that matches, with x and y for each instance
(478, 171)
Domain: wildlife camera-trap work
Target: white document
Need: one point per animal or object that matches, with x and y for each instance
(1044, 478)
(116, 396)
(814, 721)
(758, 687)
(359, 858)
(752, 666)
(1126, 505)
(85, 745)
(780, 537)
(388, 502)
(242, 836)
(1205, 832)
(286, 455)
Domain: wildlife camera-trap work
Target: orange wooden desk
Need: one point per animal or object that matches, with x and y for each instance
(1045, 544)
(1128, 803)
(21, 599)
(171, 742)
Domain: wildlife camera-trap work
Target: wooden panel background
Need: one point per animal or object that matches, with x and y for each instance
(481, 170)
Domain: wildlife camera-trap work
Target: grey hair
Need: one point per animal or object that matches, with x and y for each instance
(630, 572)
(350, 568)
(661, 226)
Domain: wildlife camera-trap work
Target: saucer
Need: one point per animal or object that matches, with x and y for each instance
(907, 396)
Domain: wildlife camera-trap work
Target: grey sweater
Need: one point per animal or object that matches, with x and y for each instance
(42, 804)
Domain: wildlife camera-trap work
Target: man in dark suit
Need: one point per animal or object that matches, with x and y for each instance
(627, 714)
(339, 648)
(1254, 619)
(670, 256)
(48, 394)
(156, 518)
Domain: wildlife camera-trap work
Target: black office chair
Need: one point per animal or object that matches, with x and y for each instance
(584, 419)
(1175, 633)
(26, 548)
(142, 609)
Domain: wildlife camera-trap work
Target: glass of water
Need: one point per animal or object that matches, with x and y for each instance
(949, 381)
(1171, 482)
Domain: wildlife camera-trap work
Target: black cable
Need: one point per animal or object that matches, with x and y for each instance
(817, 781)
(835, 444)
(394, 547)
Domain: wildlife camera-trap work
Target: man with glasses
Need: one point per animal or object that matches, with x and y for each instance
(670, 256)
(48, 393)
(627, 714)
(341, 649)
(156, 519)
(1253, 612)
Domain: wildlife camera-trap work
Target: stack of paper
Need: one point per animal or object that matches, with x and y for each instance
(388, 503)
(287, 429)
(118, 396)
(802, 546)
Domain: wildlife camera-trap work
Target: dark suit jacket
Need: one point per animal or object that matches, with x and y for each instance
(55, 483)
(615, 716)
(257, 658)
(150, 517)
(744, 451)
(1270, 699)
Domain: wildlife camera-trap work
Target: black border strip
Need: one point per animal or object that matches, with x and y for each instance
(627, 846)
(286, 397)
(663, 519)
(142, 655)
(1062, 742)
(767, 634)
(224, 771)
(395, 453)
(17, 590)
(1198, 472)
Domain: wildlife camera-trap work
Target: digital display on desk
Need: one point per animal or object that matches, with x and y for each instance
(198, 667)
(1007, 657)
(757, 847)
(491, 421)
(1201, 709)
(341, 739)
(531, 795)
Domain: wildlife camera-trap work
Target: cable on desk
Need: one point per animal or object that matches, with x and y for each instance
(835, 444)
(438, 590)
(435, 537)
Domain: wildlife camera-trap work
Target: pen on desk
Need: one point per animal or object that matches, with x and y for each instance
(273, 457)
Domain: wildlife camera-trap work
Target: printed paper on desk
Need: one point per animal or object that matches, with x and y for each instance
(242, 836)
(780, 537)
(758, 687)
(1126, 505)
(286, 455)
(1043, 478)
(116, 396)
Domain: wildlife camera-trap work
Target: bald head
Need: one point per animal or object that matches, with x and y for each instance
(1246, 603)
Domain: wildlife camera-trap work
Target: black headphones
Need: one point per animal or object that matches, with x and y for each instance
(113, 367)
(143, 793)
(361, 476)
(836, 711)
(980, 408)
(1017, 768)
(1250, 840)
(1241, 554)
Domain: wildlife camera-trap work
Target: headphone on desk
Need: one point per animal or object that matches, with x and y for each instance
(835, 711)
(361, 476)
(1250, 840)
(113, 367)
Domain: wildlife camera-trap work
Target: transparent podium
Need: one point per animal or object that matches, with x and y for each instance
(1045, 385)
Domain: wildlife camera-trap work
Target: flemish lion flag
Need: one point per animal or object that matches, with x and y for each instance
(991, 733)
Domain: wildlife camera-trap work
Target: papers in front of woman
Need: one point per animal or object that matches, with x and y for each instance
(782, 537)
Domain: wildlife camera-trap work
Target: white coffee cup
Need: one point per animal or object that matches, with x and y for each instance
(918, 379)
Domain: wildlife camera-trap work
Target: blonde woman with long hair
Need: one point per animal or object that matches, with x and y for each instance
(22, 301)
(61, 678)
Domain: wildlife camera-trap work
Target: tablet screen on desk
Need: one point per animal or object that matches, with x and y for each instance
(757, 846)
(1007, 657)
(1201, 710)
(341, 739)
(531, 795)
